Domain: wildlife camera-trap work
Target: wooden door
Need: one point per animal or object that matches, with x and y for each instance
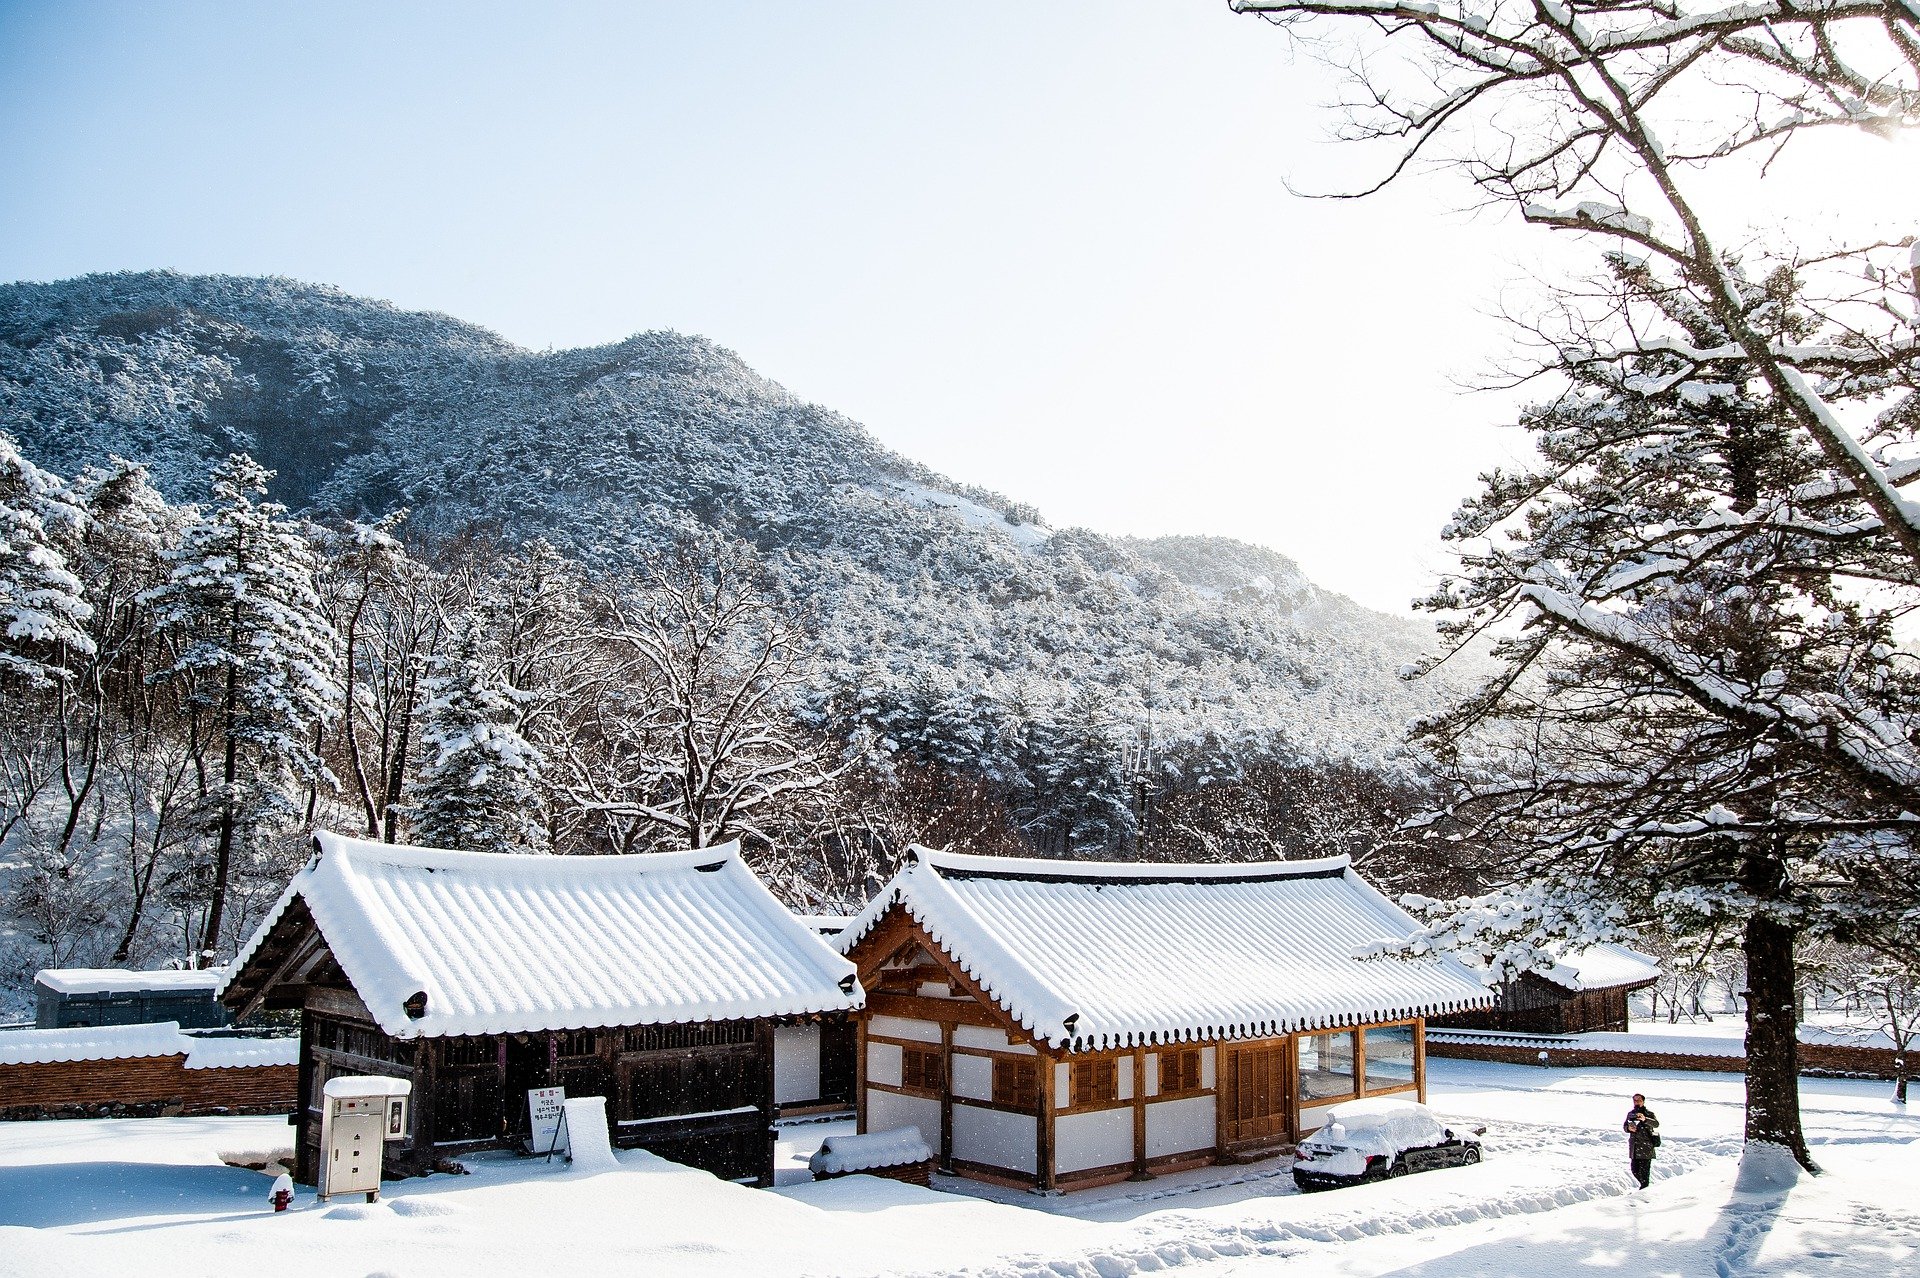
(1256, 1093)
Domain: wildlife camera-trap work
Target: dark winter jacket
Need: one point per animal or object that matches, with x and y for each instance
(1641, 1128)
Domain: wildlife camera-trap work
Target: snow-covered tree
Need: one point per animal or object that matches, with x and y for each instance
(478, 784)
(1704, 718)
(257, 660)
(43, 618)
(702, 740)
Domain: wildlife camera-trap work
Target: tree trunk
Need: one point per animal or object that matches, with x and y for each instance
(223, 851)
(1773, 1066)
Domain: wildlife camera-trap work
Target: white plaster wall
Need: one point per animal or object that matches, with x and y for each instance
(1062, 1084)
(1207, 1066)
(1153, 1073)
(973, 1076)
(993, 1137)
(1123, 1078)
(796, 1063)
(883, 1063)
(1099, 1139)
(981, 1036)
(888, 1110)
(900, 1027)
(1180, 1126)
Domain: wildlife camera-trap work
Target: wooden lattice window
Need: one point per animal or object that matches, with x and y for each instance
(1179, 1070)
(1095, 1082)
(920, 1069)
(469, 1051)
(1015, 1083)
(579, 1042)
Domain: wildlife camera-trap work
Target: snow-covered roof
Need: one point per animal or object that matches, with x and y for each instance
(1602, 966)
(91, 1043)
(1135, 953)
(116, 980)
(129, 1042)
(503, 944)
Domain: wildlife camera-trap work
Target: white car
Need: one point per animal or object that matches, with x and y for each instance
(1367, 1140)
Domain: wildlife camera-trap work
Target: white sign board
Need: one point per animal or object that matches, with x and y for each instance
(543, 1109)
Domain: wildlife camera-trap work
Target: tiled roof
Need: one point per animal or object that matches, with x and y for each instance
(1093, 955)
(1603, 966)
(509, 944)
(116, 980)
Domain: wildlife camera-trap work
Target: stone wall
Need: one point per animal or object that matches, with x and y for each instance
(1865, 1062)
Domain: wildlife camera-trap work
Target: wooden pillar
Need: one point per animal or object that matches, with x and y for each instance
(763, 1053)
(1420, 1059)
(304, 1099)
(1359, 1062)
(1043, 1128)
(860, 1075)
(426, 1076)
(1140, 1171)
(946, 1096)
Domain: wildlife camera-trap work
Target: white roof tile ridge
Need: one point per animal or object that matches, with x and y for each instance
(1150, 871)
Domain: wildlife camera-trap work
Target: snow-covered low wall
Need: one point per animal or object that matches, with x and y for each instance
(141, 1071)
(1620, 1051)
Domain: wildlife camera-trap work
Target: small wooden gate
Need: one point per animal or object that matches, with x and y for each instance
(1256, 1093)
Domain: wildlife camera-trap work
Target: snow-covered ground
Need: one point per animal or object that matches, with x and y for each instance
(1553, 1197)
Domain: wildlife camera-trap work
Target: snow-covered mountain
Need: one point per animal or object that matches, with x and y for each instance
(922, 587)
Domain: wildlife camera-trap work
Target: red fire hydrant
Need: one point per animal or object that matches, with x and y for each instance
(281, 1195)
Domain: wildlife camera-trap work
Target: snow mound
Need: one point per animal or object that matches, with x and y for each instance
(1766, 1169)
(421, 1207)
(840, 1155)
(587, 1144)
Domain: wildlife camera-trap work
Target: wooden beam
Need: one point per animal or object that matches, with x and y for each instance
(947, 1011)
(345, 1003)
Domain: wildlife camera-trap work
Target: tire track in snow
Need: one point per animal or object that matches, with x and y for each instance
(1174, 1239)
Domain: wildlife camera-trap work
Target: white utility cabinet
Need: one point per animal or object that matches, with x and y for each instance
(360, 1115)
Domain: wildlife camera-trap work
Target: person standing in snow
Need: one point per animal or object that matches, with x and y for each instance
(1643, 1137)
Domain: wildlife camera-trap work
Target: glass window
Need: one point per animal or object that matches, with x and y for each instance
(1326, 1066)
(1389, 1057)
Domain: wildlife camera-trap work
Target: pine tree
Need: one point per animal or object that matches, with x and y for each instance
(478, 784)
(257, 659)
(42, 615)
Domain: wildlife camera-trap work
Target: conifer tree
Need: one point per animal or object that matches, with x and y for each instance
(256, 657)
(478, 785)
(42, 615)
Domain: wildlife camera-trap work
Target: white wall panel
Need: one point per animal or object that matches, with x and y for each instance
(1099, 1139)
(1180, 1126)
(888, 1110)
(994, 1137)
(900, 1027)
(1207, 1055)
(796, 1063)
(973, 1076)
(883, 1063)
(981, 1036)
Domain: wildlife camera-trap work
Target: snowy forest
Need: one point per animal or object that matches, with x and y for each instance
(668, 607)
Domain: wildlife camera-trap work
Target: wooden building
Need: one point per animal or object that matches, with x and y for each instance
(1062, 1024)
(71, 997)
(813, 1068)
(655, 981)
(1584, 992)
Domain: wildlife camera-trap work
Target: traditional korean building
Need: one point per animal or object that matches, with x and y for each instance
(655, 981)
(1585, 991)
(1062, 1024)
(71, 997)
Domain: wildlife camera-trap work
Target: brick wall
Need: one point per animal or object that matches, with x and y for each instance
(1873, 1062)
(142, 1087)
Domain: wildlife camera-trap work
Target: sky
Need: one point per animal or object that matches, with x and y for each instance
(1054, 250)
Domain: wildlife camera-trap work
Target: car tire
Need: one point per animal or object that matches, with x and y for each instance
(1470, 1156)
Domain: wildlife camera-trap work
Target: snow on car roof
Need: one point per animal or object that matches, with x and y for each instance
(1380, 1126)
(1149, 953)
(504, 944)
